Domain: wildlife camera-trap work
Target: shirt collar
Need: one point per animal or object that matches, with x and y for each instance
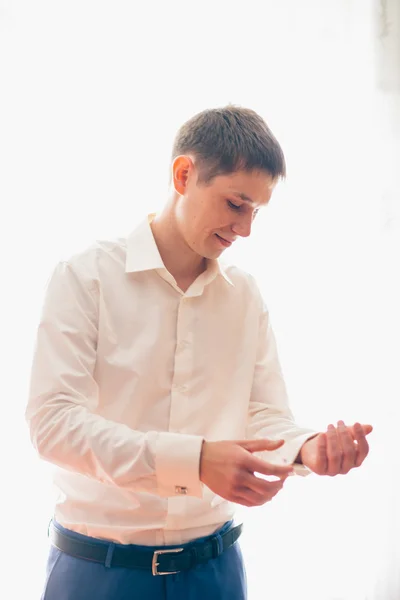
(215, 266)
(143, 255)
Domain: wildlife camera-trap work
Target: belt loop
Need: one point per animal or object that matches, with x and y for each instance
(110, 552)
(217, 543)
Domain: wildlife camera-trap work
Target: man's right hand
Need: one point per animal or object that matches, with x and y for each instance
(228, 468)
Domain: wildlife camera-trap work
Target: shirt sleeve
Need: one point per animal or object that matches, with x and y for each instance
(269, 412)
(64, 426)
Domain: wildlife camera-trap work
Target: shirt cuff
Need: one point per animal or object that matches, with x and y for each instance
(287, 454)
(178, 465)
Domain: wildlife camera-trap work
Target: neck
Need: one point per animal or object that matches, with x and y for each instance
(179, 259)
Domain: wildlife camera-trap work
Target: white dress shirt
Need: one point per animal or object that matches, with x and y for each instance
(129, 376)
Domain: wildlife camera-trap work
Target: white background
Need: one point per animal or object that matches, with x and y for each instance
(91, 95)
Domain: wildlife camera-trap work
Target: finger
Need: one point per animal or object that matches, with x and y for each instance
(366, 428)
(250, 497)
(254, 464)
(333, 451)
(260, 445)
(362, 444)
(349, 451)
(259, 485)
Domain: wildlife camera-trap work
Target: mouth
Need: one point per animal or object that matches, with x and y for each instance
(225, 243)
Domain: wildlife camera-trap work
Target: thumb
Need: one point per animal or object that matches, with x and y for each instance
(367, 428)
(260, 445)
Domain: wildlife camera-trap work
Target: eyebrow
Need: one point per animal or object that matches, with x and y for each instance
(243, 197)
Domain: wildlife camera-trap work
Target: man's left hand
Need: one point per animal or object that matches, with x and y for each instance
(336, 451)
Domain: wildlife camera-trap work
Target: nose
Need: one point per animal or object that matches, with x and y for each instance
(242, 225)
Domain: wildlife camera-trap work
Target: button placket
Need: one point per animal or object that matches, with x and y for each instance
(182, 365)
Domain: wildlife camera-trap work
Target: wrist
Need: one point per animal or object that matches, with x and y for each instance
(299, 458)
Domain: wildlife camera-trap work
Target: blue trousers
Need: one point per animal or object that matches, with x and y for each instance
(70, 578)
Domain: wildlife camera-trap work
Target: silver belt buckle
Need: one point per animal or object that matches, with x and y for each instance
(155, 564)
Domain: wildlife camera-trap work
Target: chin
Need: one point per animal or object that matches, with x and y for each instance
(209, 251)
(212, 254)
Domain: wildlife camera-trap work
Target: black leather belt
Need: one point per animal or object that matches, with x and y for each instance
(162, 561)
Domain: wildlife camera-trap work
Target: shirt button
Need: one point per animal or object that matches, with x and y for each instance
(181, 490)
(181, 388)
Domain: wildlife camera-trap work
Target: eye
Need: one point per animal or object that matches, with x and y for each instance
(234, 206)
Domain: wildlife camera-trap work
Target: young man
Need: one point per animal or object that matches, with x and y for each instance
(156, 383)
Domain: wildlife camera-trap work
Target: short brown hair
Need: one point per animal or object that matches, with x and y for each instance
(229, 139)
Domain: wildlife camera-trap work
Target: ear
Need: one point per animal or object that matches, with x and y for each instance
(182, 168)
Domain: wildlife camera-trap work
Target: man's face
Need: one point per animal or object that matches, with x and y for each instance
(210, 217)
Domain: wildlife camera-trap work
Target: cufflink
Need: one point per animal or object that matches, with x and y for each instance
(180, 490)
